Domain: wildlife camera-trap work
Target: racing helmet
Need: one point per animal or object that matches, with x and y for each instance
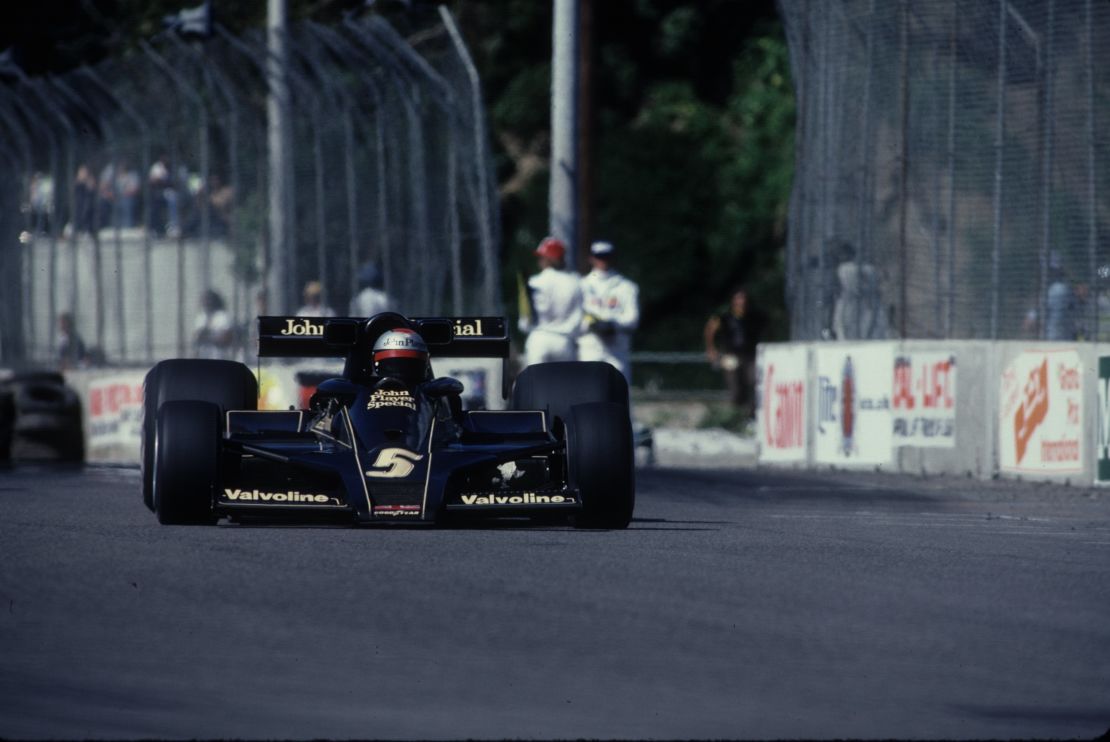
(402, 354)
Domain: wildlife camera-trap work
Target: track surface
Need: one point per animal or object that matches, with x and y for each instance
(740, 604)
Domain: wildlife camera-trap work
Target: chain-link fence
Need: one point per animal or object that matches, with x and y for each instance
(136, 186)
(952, 169)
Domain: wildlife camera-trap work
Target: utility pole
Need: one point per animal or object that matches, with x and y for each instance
(586, 223)
(279, 260)
(563, 197)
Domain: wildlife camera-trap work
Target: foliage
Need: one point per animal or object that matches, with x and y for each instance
(693, 149)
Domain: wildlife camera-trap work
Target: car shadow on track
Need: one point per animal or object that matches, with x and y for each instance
(638, 524)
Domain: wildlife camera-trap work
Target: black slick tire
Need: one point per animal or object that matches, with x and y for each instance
(7, 422)
(601, 464)
(557, 387)
(229, 385)
(186, 460)
(48, 419)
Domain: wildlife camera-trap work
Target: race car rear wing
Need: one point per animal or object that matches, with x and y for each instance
(334, 337)
(338, 337)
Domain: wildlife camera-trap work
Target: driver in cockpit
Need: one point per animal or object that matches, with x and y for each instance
(399, 375)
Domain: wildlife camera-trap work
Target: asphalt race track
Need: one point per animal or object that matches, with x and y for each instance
(740, 604)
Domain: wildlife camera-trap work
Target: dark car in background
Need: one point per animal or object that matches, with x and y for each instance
(40, 417)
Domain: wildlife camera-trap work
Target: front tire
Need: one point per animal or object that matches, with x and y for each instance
(601, 464)
(186, 460)
(558, 386)
(229, 385)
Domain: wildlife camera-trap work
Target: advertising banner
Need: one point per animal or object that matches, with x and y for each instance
(925, 399)
(854, 389)
(782, 404)
(1040, 425)
(115, 410)
(1102, 469)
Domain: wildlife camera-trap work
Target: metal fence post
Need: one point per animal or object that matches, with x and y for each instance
(490, 271)
(416, 167)
(318, 172)
(1048, 121)
(999, 153)
(339, 47)
(1092, 168)
(904, 170)
(144, 136)
(13, 310)
(953, 63)
(866, 150)
(185, 92)
(32, 241)
(94, 229)
(214, 78)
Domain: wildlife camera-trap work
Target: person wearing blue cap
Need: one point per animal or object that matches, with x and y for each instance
(371, 298)
(611, 303)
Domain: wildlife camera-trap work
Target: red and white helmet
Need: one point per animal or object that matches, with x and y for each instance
(551, 248)
(402, 354)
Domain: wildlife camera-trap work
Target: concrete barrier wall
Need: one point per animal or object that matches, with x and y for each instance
(1021, 409)
(976, 390)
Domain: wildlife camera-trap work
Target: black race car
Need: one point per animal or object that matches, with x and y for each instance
(374, 447)
(40, 417)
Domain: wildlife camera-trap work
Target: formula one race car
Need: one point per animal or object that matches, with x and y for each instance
(387, 442)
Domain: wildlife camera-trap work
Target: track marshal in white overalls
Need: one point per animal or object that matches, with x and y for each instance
(611, 304)
(555, 301)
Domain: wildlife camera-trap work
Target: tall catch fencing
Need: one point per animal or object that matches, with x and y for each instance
(137, 185)
(953, 168)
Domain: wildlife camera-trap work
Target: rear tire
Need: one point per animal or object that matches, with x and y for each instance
(557, 387)
(47, 420)
(186, 459)
(229, 385)
(7, 423)
(601, 464)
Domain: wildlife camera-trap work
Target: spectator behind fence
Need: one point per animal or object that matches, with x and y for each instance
(554, 304)
(611, 304)
(858, 313)
(731, 336)
(371, 298)
(1060, 305)
(163, 199)
(213, 334)
(314, 301)
(41, 199)
(84, 201)
(71, 351)
(118, 189)
(220, 198)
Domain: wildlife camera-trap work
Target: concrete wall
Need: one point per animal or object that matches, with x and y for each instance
(982, 418)
(976, 391)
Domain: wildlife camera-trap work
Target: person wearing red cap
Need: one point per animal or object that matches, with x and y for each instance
(555, 299)
(611, 305)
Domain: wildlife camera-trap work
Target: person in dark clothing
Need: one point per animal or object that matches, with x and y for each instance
(71, 349)
(84, 201)
(730, 339)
